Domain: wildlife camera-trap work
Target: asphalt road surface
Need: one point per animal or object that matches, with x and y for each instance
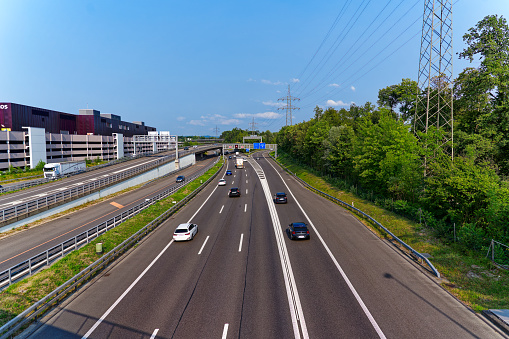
(23, 245)
(242, 277)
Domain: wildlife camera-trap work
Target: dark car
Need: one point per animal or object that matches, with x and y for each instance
(180, 178)
(280, 198)
(298, 230)
(186, 148)
(228, 172)
(230, 157)
(234, 192)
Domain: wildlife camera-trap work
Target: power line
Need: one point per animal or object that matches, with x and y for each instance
(289, 106)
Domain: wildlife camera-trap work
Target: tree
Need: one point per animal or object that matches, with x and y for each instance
(484, 92)
(338, 151)
(386, 158)
(402, 96)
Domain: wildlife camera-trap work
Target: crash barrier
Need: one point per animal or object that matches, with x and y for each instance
(77, 191)
(28, 267)
(358, 211)
(59, 294)
(31, 183)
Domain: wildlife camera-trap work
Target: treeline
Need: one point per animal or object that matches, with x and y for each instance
(236, 135)
(374, 151)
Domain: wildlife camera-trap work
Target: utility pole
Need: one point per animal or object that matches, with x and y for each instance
(253, 124)
(434, 105)
(289, 106)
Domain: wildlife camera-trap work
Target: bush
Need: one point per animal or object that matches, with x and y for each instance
(40, 165)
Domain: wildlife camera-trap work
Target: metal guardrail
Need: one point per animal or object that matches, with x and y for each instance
(37, 182)
(68, 194)
(32, 183)
(37, 309)
(350, 207)
(27, 267)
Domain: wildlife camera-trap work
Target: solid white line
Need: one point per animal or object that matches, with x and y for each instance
(198, 210)
(98, 322)
(154, 334)
(221, 209)
(292, 293)
(202, 246)
(343, 274)
(225, 331)
(240, 244)
(245, 208)
(246, 190)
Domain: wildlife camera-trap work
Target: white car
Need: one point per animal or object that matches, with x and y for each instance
(185, 232)
(221, 182)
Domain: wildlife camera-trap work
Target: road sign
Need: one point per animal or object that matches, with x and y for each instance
(259, 145)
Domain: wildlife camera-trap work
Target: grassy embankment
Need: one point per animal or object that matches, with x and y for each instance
(19, 296)
(466, 274)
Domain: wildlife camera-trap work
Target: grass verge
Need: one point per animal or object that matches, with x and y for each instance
(468, 275)
(21, 295)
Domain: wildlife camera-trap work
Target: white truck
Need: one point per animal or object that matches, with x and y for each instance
(59, 169)
(239, 163)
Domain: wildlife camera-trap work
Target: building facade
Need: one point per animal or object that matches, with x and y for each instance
(14, 117)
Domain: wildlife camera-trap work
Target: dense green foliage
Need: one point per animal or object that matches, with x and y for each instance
(374, 152)
(236, 135)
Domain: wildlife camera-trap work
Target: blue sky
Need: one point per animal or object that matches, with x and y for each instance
(189, 66)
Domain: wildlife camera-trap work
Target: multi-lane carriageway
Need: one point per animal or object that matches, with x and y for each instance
(241, 277)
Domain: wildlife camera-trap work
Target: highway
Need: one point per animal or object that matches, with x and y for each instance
(23, 245)
(242, 277)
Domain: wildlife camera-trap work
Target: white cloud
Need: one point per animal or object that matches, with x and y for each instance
(333, 85)
(214, 119)
(294, 80)
(251, 80)
(268, 82)
(196, 123)
(273, 103)
(338, 103)
(264, 115)
(352, 88)
(181, 118)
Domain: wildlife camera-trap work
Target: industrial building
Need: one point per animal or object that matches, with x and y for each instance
(14, 117)
(30, 134)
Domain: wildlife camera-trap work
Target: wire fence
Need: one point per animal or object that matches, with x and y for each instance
(499, 254)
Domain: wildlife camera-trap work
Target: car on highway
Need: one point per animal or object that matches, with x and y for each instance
(186, 148)
(221, 182)
(234, 192)
(185, 232)
(180, 178)
(230, 157)
(280, 198)
(298, 230)
(228, 172)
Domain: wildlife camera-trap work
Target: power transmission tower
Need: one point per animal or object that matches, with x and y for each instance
(434, 105)
(253, 124)
(216, 130)
(289, 106)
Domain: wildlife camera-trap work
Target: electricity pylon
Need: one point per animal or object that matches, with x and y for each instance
(434, 105)
(289, 106)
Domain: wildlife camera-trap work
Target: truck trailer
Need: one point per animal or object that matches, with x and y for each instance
(239, 163)
(60, 169)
